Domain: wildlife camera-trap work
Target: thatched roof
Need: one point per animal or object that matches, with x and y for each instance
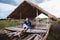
(29, 9)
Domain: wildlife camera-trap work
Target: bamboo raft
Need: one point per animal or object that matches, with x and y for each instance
(39, 33)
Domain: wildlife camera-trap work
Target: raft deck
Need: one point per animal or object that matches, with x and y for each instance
(40, 33)
(40, 29)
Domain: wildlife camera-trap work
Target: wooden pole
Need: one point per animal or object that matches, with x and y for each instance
(37, 20)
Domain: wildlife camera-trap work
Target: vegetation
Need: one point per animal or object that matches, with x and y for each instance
(57, 22)
(5, 23)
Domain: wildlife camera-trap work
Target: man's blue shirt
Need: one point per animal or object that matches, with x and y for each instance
(28, 23)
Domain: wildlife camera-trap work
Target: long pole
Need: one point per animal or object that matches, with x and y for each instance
(20, 18)
(36, 19)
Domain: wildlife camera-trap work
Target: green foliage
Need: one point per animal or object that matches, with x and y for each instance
(9, 23)
(58, 22)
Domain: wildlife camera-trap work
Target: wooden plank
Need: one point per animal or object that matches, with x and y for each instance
(30, 38)
(29, 30)
(38, 37)
(42, 27)
(46, 35)
(13, 29)
(45, 26)
(36, 31)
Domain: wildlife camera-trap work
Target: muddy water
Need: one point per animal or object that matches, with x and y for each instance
(55, 31)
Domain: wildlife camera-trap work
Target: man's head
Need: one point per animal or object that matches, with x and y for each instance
(26, 19)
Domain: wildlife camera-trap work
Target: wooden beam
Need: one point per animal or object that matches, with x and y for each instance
(29, 30)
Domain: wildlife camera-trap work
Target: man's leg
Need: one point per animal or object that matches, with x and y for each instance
(25, 28)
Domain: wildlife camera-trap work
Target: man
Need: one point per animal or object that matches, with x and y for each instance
(26, 24)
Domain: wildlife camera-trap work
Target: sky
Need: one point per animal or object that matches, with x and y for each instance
(52, 7)
(8, 6)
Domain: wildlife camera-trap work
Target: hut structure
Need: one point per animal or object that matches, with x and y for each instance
(30, 10)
